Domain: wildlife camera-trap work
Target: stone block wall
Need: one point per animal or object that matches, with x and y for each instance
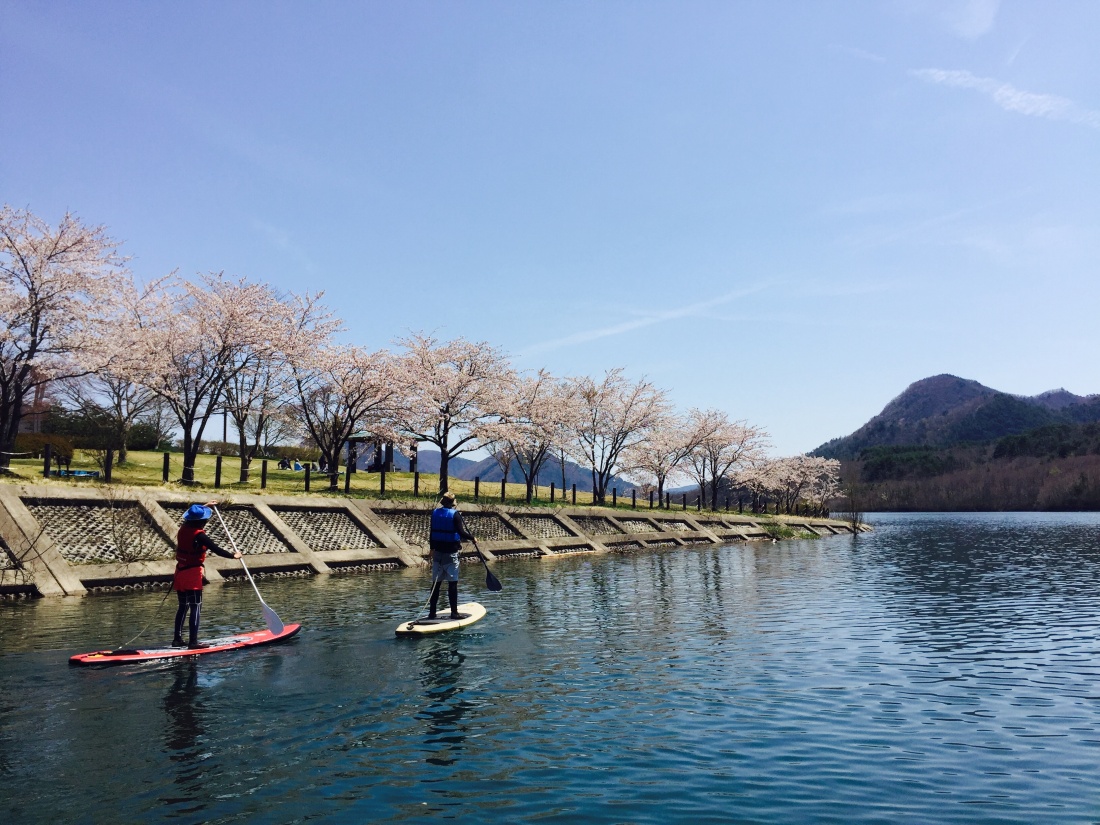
(72, 542)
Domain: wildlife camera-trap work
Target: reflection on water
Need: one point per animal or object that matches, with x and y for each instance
(443, 686)
(940, 669)
(183, 732)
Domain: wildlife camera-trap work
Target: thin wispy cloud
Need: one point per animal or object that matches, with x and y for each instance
(646, 320)
(1011, 99)
(859, 54)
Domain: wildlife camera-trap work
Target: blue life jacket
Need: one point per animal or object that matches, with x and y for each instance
(443, 525)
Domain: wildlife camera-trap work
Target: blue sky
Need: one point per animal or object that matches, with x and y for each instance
(788, 210)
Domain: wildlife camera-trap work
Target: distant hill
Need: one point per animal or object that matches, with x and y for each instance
(948, 411)
(488, 470)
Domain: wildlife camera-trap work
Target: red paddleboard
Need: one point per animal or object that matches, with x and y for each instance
(241, 640)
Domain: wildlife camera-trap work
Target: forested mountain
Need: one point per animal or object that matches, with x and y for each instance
(948, 411)
(947, 443)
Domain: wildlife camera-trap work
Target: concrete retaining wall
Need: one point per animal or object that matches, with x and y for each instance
(72, 542)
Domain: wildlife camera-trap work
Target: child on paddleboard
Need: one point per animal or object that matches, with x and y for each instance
(192, 544)
(448, 531)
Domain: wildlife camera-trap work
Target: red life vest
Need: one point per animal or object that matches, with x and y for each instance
(189, 558)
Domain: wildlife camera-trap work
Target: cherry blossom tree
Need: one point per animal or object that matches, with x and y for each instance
(792, 480)
(614, 415)
(725, 447)
(791, 475)
(341, 389)
(253, 398)
(754, 476)
(120, 400)
(57, 291)
(448, 392)
(662, 455)
(824, 483)
(537, 414)
(258, 394)
(195, 337)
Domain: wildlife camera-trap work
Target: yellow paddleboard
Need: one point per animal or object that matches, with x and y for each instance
(470, 613)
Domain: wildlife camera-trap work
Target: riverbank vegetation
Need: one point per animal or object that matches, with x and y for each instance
(92, 356)
(1054, 468)
(144, 469)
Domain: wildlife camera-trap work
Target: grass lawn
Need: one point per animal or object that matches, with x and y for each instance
(144, 469)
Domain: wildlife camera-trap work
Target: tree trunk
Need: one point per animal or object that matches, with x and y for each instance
(123, 435)
(10, 413)
(245, 452)
(444, 460)
(190, 453)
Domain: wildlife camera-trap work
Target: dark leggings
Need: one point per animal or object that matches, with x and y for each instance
(189, 600)
(452, 596)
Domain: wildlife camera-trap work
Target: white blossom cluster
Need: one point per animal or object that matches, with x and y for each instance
(72, 316)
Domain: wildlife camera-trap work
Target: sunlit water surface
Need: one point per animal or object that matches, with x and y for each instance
(941, 669)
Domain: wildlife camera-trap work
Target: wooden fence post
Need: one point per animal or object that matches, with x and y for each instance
(47, 454)
(477, 489)
(574, 495)
(503, 489)
(263, 474)
(307, 477)
(107, 465)
(218, 471)
(551, 492)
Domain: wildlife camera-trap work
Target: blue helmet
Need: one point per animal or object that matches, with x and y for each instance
(196, 512)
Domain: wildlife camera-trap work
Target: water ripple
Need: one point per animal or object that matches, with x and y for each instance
(942, 668)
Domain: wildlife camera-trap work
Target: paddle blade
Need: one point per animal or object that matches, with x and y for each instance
(491, 581)
(272, 620)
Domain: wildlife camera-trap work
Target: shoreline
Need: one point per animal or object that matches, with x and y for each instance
(68, 541)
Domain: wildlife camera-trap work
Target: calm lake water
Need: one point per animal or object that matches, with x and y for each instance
(942, 669)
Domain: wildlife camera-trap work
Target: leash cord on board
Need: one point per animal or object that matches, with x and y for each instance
(129, 642)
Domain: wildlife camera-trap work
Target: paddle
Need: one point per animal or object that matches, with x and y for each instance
(491, 581)
(271, 618)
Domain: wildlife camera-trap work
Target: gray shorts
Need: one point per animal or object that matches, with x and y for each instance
(444, 567)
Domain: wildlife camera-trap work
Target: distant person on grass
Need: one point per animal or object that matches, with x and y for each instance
(448, 531)
(192, 544)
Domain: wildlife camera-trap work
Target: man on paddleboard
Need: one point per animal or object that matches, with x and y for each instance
(448, 531)
(192, 544)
